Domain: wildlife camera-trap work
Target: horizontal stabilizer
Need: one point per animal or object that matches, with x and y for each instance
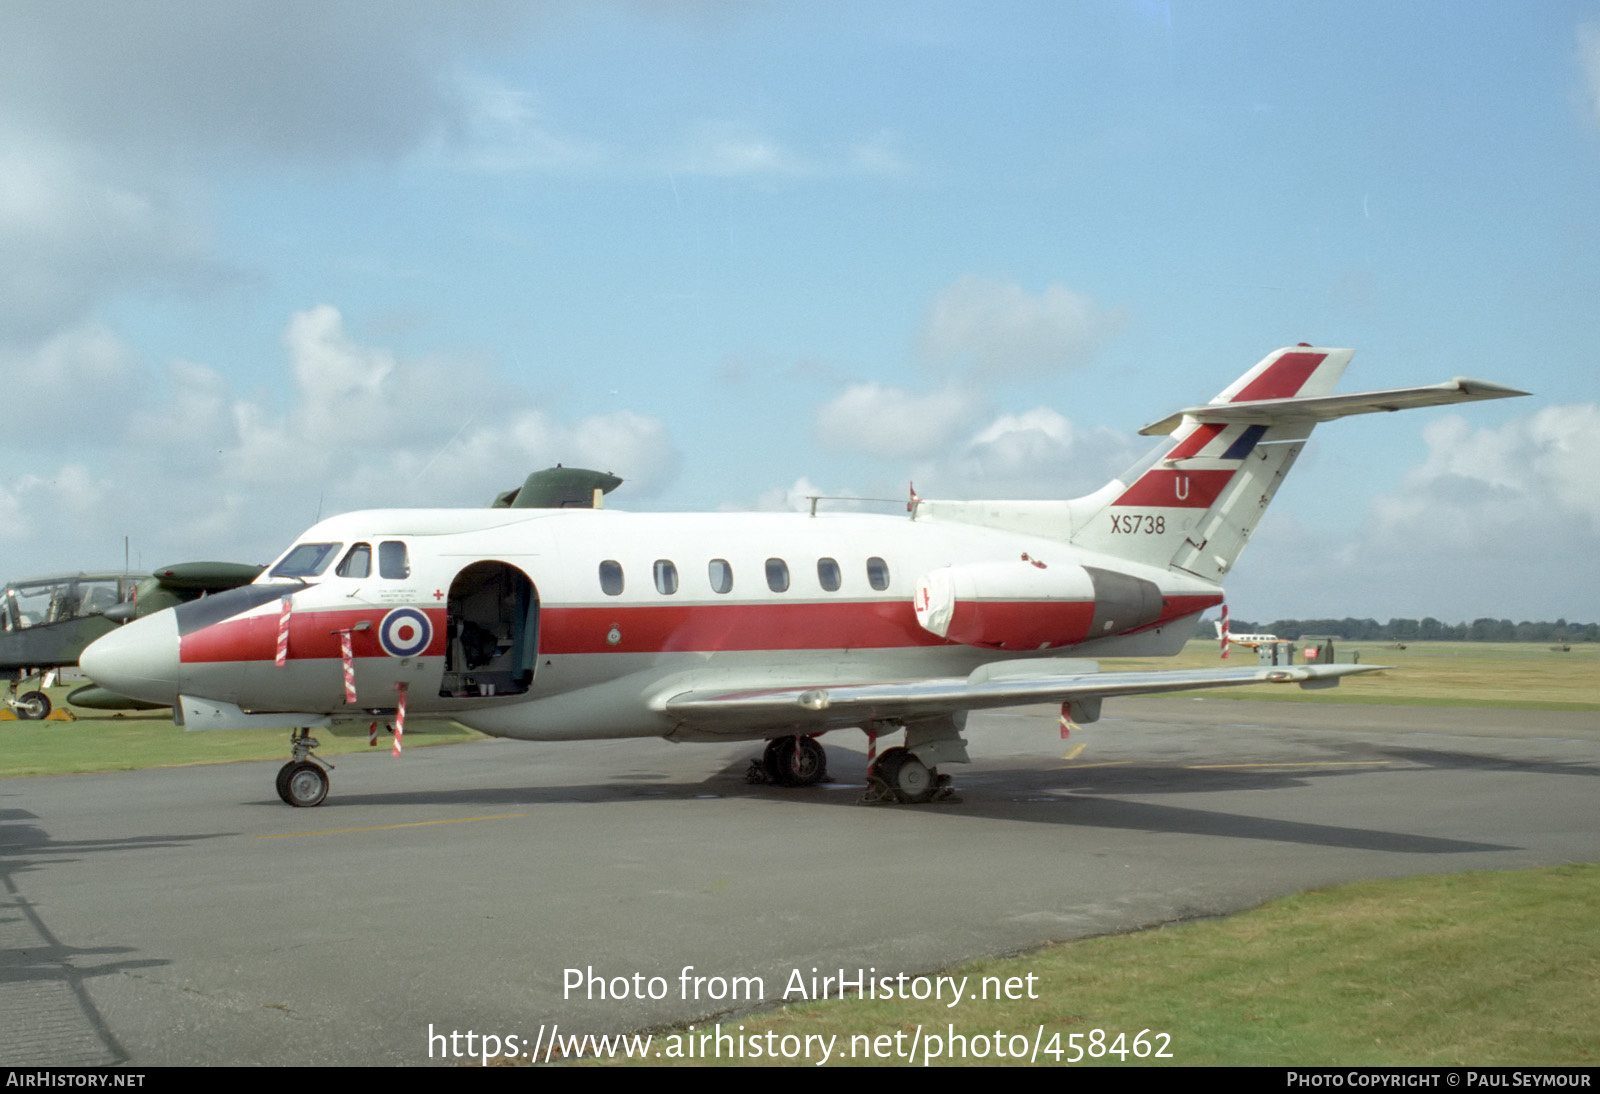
(828, 707)
(1325, 408)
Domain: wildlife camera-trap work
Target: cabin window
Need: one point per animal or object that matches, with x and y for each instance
(877, 573)
(611, 577)
(306, 560)
(666, 577)
(828, 574)
(357, 563)
(721, 575)
(394, 561)
(777, 575)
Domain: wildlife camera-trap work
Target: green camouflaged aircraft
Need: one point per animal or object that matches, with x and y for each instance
(46, 622)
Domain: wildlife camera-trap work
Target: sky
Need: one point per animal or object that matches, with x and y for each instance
(265, 261)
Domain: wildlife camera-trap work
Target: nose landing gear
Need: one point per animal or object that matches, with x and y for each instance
(303, 781)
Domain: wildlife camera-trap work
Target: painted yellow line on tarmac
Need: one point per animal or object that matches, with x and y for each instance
(1075, 753)
(381, 827)
(1308, 763)
(1108, 763)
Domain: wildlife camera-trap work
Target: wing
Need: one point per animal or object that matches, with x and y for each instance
(1008, 684)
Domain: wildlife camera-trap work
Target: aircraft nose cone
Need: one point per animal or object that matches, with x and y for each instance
(138, 659)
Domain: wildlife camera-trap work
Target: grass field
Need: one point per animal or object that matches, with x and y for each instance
(1483, 969)
(149, 739)
(1522, 675)
(1509, 674)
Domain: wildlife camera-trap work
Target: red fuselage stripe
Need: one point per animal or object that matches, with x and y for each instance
(665, 628)
(312, 634)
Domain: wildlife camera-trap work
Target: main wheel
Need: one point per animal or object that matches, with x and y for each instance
(303, 784)
(33, 705)
(789, 764)
(911, 780)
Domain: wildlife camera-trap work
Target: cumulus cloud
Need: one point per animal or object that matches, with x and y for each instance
(70, 495)
(999, 329)
(891, 422)
(797, 498)
(1489, 486)
(416, 431)
(77, 383)
(203, 470)
(1500, 521)
(1035, 454)
(978, 331)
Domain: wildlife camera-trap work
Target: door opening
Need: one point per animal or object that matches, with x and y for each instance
(492, 632)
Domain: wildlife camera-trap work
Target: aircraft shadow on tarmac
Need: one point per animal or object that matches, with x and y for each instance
(51, 979)
(1462, 761)
(990, 790)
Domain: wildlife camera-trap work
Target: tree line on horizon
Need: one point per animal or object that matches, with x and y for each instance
(1414, 630)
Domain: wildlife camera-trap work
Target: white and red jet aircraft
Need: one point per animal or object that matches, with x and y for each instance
(564, 624)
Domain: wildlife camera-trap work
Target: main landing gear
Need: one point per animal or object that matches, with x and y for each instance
(909, 774)
(899, 776)
(791, 761)
(303, 781)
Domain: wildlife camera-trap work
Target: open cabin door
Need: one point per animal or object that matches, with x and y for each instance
(492, 628)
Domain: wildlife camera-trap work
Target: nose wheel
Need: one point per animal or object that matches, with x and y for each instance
(302, 782)
(33, 705)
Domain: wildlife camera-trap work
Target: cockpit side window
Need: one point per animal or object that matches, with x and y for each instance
(306, 560)
(393, 559)
(357, 561)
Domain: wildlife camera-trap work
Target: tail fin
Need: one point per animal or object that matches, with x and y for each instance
(1193, 505)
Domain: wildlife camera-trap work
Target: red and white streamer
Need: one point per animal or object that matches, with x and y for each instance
(1225, 636)
(372, 735)
(283, 634)
(1067, 724)
(400, 718)
(349, 667)
(872, 748)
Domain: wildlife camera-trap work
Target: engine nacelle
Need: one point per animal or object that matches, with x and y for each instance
(1025, 605)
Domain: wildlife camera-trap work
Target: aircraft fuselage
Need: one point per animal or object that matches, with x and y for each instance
(522, 623)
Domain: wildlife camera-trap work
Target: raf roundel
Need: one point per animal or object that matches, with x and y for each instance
(405, 632)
